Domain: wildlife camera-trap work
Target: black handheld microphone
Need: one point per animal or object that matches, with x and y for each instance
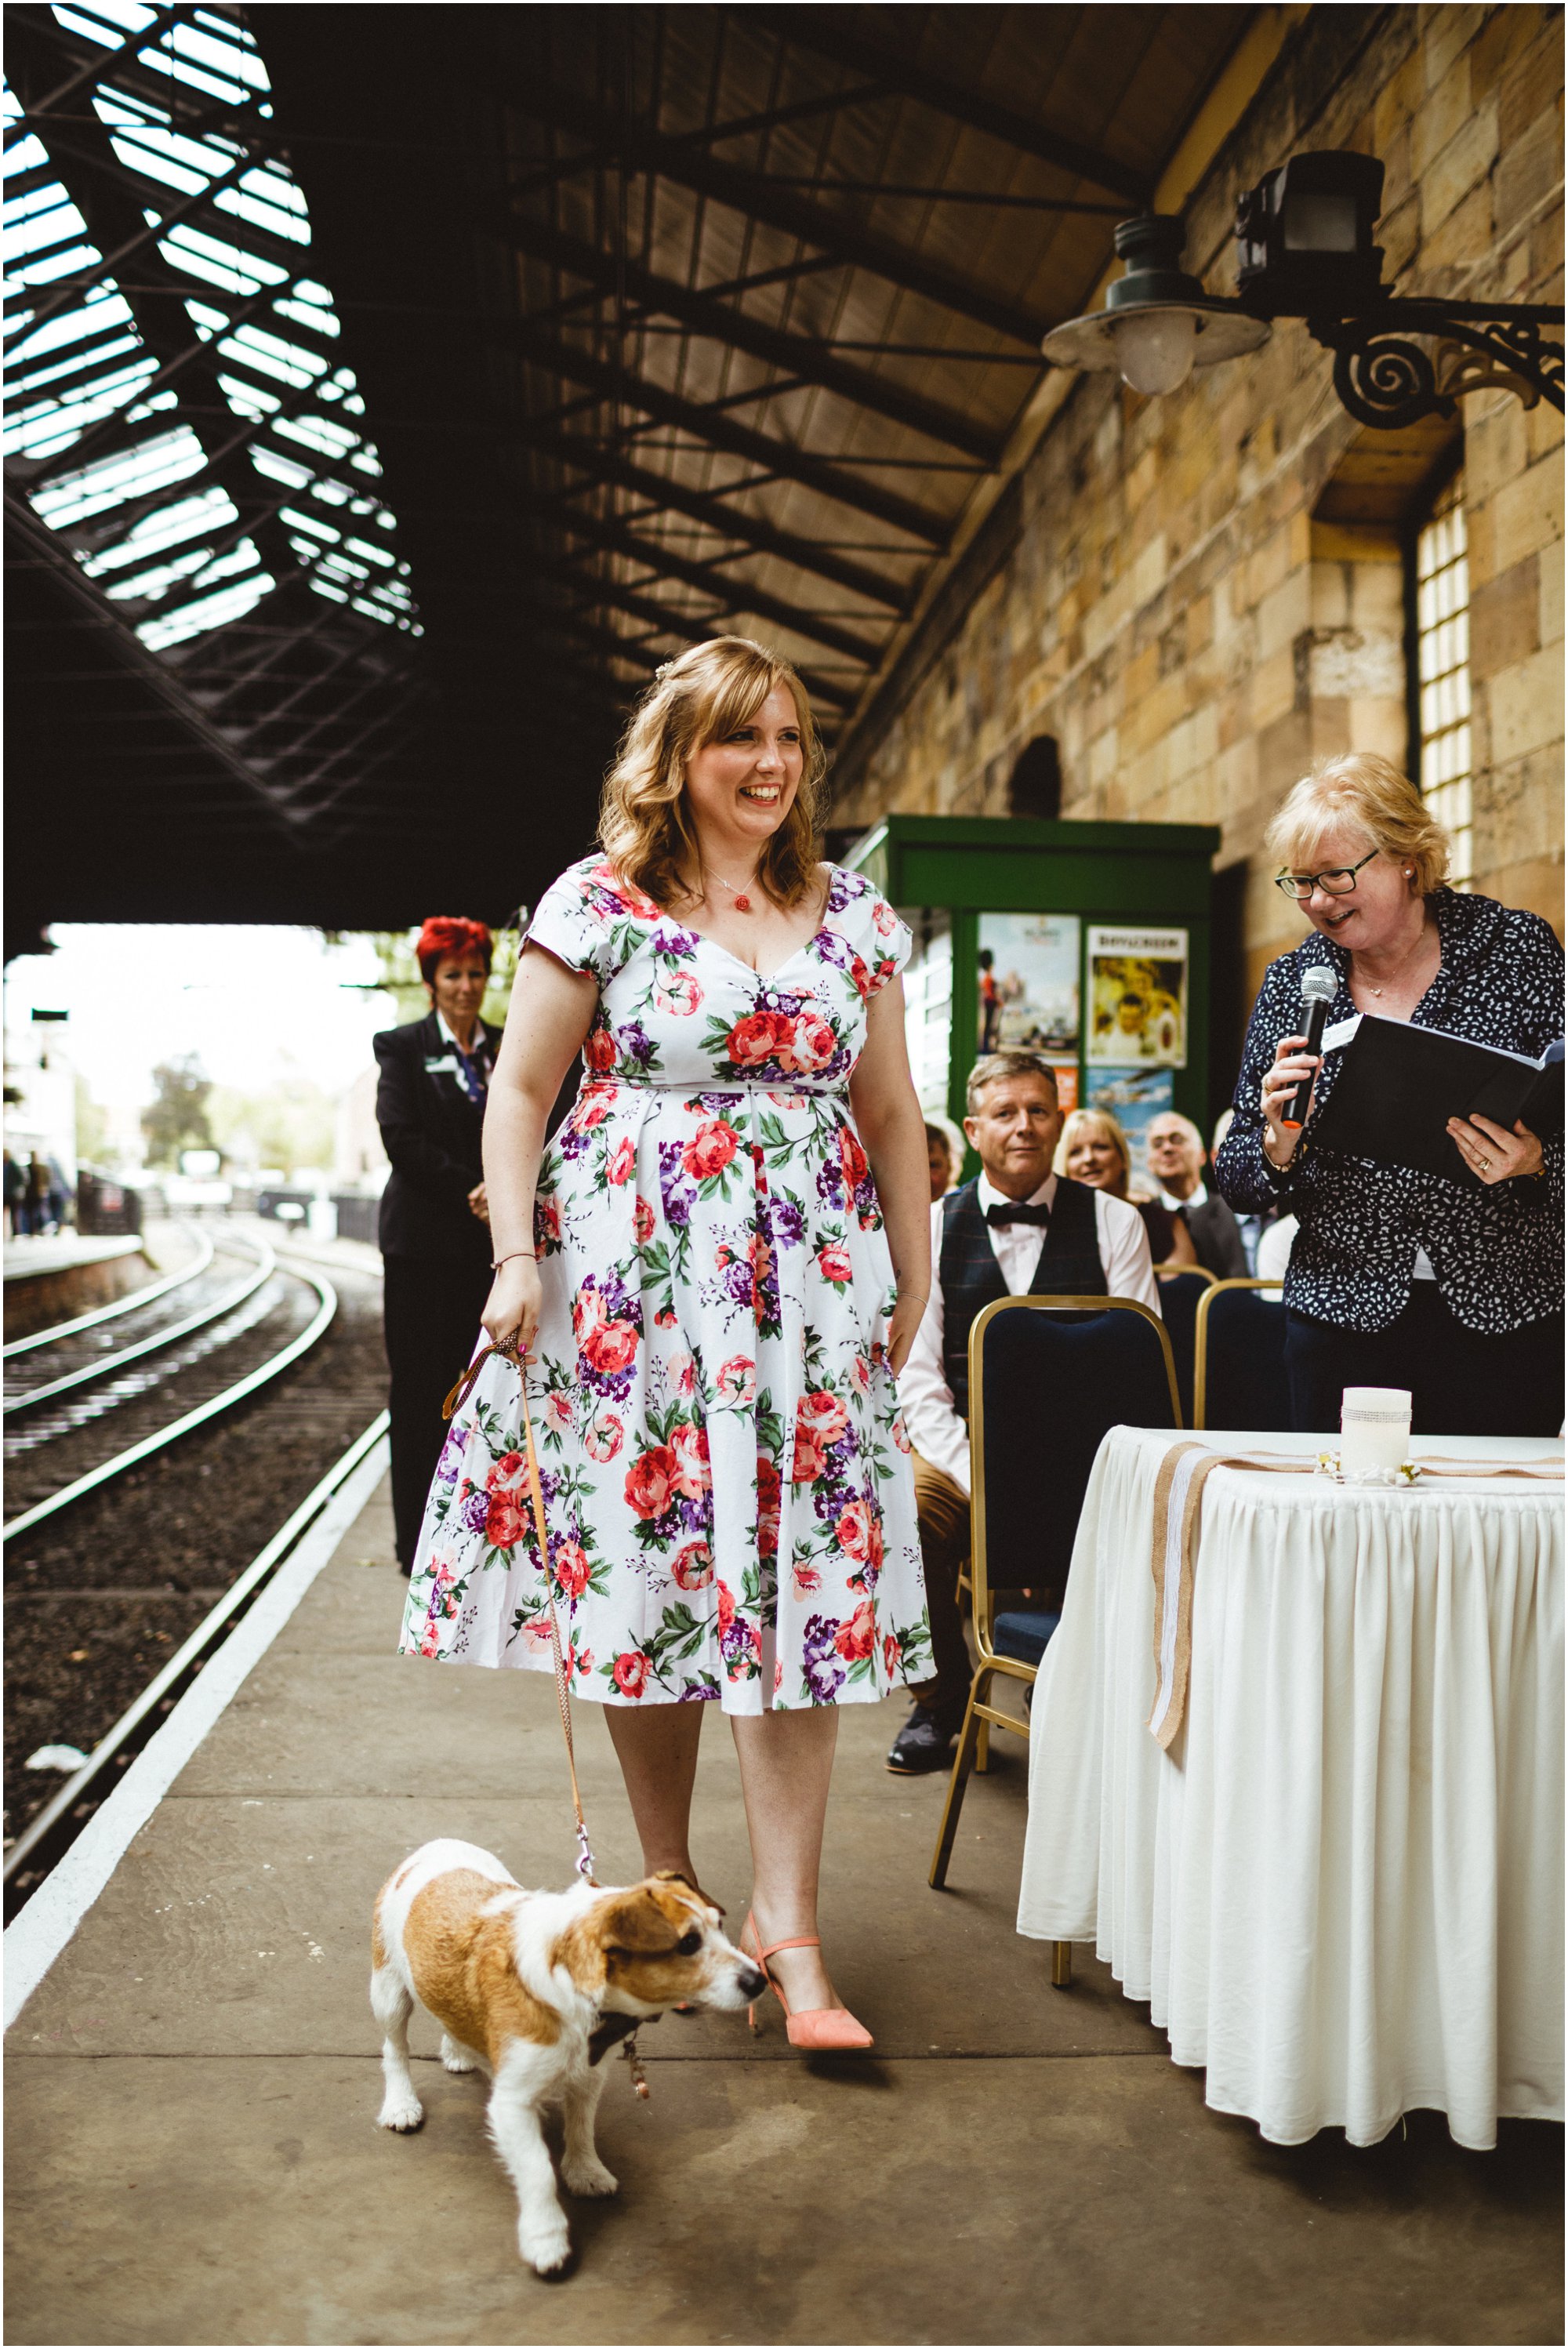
(1318, 989)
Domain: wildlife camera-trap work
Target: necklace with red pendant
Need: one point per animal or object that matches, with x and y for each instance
(742, 902)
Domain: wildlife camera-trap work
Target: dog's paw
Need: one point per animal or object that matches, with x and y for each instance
(589, 2178)
(456, 2058)
(545, 2248)
(403, 2112)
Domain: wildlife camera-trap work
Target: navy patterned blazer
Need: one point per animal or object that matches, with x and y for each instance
(1496, 1250)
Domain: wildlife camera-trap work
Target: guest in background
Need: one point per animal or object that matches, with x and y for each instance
(944, 1155)
(1174, 1149)
(434, 1227)
(1274, 1245)
(1449, 1287)
(1251, 1227)
(1093, 1150)
(1017, 1229)
(16, 1196)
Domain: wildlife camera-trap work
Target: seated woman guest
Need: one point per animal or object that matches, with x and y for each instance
(1401, 1278)
(434, 1229)
(1093, 1150)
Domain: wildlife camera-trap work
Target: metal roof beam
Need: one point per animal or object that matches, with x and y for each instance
(97, 69)
(605, 157)
(758, 198)
(806, 361)
(668, 622)
(728, 521)
(830, 480)
(822, 30)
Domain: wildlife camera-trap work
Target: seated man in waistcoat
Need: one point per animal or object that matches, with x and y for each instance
(1016, 1230)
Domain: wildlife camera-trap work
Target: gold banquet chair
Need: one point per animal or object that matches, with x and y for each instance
(1048, 1377)
(1182, 1289)
(1238, 1376)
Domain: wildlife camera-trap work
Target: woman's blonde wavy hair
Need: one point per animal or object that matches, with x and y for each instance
(1360, 788)
(643, 826)
(1094, 1121)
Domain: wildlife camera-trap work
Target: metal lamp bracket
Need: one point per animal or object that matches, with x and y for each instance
(1386, 380)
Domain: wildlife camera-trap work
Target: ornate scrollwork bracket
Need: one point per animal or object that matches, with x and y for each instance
(1386, 379)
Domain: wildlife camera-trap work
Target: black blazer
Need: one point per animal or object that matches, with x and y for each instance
(432, 1130)
(1216, 1238)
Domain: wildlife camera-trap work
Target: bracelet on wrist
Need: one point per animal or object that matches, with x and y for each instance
(497, 1261)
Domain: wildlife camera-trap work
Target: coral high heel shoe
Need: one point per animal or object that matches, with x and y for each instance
(821, 2030)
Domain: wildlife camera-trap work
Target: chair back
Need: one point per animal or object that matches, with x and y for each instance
(1239, 1379)
(1048, 1377)
(1181, 1292)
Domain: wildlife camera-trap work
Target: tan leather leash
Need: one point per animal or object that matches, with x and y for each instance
(1179, 1485)
(507, 1349)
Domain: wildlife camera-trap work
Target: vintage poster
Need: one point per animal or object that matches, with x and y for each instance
(1138, 996)
(1065, 1073)
(1028, 989)
(1135, 1098)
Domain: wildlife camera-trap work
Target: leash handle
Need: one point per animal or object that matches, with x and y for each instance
(507, 1349)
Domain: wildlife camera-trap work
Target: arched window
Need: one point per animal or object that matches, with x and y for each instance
(1442, 672)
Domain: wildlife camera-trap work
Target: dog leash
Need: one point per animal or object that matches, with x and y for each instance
(507, 1349)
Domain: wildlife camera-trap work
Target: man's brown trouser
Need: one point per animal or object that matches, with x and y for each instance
(942, 1508)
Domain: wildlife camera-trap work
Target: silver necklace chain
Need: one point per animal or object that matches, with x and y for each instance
(1415, 950)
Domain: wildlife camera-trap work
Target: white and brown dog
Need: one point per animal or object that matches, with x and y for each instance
(533, 1988)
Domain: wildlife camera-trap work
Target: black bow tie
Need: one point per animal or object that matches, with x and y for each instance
(1014, 1211)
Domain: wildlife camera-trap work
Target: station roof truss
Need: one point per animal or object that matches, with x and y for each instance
(193, 494)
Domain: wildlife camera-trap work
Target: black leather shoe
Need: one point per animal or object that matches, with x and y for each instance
(922, 1745)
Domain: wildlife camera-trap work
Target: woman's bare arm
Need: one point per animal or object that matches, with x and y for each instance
(892, 1127)
(551, 1012)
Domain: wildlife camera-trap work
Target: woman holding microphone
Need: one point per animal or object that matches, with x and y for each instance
(1398, 1277)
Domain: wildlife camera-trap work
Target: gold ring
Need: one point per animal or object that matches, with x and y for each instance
(1486, 1166)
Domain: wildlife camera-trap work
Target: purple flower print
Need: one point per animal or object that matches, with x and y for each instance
(821, 1667)
(573, 1140)
(673, 941)
(636, 1044)
(843, 888)
(703, 1689)
(831, 946)
(831, 1182)
(450, 1465)
(735, 1641)
(787, 1222)
(476, 1512)
(676, 1185)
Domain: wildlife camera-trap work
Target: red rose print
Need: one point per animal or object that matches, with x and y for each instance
(853, 1531)
(604, 1438)
(644, 1223)
(811, 1044)
(571, 1567)
(833, 1262)
(630, 1672)
(609, 1347)
(857, 1638)
(682, 1371)
(824, 1415)
(558, 1413)
(599, 1052)
(504, 1526)
(693, 1567)
(678, 994)
(861, 975)
(810, 1458)
(621, 1163)
(757, 1039)
(852, 1158)
(650, 1480)
(737, 1379)
(901, 1434)
(710, 1149)
(892, 1650)
(769, 1497)
(546, 1226)
(884, 918)
(588, 1310)
(725, 1606)
(591, 1112)
(508, 1466)
(692, 1475)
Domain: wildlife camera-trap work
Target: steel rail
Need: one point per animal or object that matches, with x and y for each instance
(192, 1419)
(108, 1312)
(187, 1660)
(267, 1263)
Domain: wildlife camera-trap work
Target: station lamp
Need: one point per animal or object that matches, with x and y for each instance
(1305, 250)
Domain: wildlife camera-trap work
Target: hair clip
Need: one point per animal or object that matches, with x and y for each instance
(663, 668)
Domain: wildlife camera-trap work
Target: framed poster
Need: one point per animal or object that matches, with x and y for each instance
(1135, 1098)
(928, 1007)
(1138, 997)
(1029, 983)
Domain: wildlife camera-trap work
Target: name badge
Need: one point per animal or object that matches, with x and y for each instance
(445, 1066)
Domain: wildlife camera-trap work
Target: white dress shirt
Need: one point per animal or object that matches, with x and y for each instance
(1197, 1198)
(935, 1430)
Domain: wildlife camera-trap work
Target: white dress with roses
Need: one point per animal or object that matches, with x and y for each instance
(726, 1481)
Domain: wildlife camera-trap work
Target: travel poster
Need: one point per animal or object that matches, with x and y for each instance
(1135, 1098)
(1065, 1073)
(1028, 989)
(1138, 996)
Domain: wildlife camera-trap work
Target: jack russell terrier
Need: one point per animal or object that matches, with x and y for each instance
(533, 1988)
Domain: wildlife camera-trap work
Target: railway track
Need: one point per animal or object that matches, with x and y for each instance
(171, 1452)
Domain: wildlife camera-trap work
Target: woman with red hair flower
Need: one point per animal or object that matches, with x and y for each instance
(435, 1224)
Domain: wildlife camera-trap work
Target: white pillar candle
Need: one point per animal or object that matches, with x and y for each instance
(1374, 1429)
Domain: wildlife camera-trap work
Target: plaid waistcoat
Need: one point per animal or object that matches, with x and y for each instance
(970, 1277)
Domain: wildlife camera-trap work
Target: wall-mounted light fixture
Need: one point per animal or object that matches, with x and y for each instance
(1305, 251)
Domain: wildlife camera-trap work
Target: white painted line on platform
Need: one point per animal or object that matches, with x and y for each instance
(43, 1927)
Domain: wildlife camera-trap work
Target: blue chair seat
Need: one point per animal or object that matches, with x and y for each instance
(1024, 1635)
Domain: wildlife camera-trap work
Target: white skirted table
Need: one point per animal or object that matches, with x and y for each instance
(1340, 1887)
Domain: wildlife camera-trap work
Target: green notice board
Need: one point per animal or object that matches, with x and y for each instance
(1088, 942)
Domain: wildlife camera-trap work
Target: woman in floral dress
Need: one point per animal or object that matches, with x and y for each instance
(718, 1271)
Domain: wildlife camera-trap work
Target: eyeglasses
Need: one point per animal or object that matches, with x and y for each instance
(1339, 883)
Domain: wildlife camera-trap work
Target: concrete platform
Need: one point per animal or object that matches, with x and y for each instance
(52, 1277)
(192, 2089)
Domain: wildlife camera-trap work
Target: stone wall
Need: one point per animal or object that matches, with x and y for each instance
(1197, 596)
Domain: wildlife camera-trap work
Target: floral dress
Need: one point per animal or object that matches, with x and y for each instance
(727, 1482)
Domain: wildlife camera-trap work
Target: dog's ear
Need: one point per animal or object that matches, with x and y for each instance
(675, 1876)
(636, 1922)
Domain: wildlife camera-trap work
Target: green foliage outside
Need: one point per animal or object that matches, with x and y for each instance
(288, 1125)
(400, 974)
(176, 1118)
(92, 1127)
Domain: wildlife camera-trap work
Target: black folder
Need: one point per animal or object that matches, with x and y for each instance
(1398, 1086)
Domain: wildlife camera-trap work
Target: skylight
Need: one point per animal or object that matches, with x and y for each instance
(144, 494)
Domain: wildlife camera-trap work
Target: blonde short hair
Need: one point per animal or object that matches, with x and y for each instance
(695, 700)
(1092, 1120)
(997, 1065)
(1362, 789)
